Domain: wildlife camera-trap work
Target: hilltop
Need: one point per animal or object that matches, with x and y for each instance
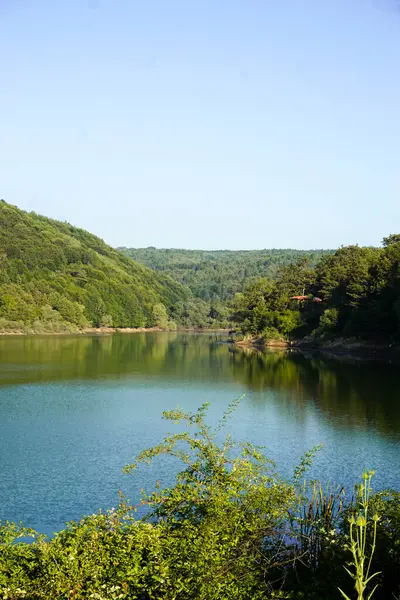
(57, 277)
(217, 275)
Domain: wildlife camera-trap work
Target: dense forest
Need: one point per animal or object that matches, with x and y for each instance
(56, 277)
(218, 275)
(289, 294)
(354, 292)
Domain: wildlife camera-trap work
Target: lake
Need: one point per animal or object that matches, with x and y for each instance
(75, 409)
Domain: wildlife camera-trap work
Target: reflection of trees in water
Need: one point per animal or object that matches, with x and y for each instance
(362, 395)
(366, 393)
(56, 357)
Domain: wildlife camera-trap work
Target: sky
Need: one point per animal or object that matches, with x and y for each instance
(204, 123)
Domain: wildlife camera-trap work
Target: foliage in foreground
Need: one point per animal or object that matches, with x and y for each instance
(229, 528)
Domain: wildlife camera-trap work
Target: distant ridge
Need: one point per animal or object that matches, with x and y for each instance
(219, 274)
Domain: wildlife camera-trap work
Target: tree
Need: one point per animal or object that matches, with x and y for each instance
(393, 238)
(160, 316)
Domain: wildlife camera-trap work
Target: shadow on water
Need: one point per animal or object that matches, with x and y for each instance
(354, 392)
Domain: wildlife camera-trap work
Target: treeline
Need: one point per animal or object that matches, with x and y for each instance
(354, 292)
(216, 276)
(56, 277)
(230, 527)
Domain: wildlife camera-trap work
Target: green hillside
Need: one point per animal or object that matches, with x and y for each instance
(353, 293)
(56, 277)
(219, 274)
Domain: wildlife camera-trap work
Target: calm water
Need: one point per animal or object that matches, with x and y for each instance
(75, 410)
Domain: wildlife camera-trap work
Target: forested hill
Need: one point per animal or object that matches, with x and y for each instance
(219, 274)
(56, 277)
(353, 293)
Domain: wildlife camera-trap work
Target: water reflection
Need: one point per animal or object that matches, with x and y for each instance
(362, 395)
(355, 395)
(74, 410)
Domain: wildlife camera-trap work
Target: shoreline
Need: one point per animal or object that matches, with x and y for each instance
(340, 347)
(108, 331)
(260, 344)
(352, 348)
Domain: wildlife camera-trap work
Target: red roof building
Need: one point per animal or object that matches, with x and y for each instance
(299, 298)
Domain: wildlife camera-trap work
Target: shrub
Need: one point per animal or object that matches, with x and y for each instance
(228, 528)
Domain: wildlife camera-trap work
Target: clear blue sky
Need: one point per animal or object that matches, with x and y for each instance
(204, 123)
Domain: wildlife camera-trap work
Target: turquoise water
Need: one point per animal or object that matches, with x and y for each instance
(75, 410)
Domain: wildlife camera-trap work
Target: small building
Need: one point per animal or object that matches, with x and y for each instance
(302, 298)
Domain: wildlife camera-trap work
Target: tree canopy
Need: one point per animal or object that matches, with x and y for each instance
(353, 292)
(57, 277)
(219, 274)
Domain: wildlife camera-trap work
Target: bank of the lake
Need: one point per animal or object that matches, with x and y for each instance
(260, 343)
(108, 330)
(83, 331)
(352, 347)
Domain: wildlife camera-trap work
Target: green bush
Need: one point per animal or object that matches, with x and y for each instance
(228, 528)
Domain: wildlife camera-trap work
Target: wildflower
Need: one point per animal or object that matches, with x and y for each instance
(376, 518)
